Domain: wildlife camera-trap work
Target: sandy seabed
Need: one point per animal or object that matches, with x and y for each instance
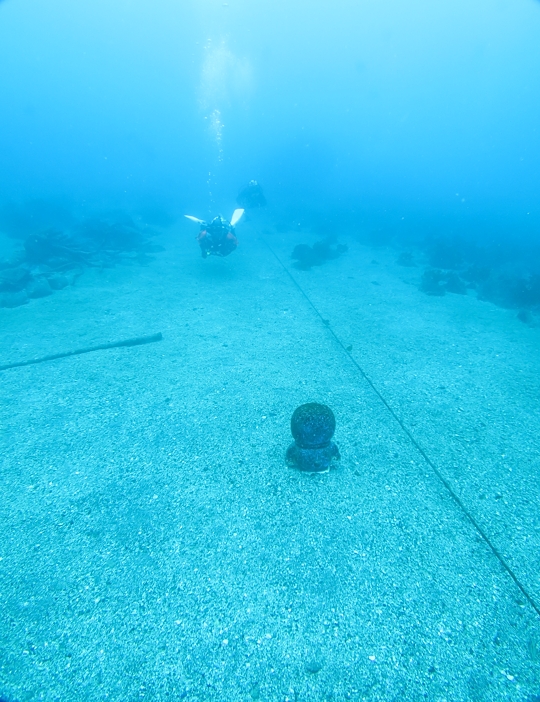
(155, 546)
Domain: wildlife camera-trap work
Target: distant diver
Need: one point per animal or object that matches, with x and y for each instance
(216, 238)
(251, 196)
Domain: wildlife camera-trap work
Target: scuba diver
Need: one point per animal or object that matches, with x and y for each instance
(251, 196)
(216, 238)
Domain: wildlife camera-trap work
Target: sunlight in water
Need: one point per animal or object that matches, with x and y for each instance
(216, 129)
(225, 84)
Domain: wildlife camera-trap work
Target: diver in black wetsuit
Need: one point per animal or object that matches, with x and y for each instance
(217, 238)
(251, 196)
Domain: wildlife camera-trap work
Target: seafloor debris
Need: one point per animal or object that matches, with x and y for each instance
(438, 282)
(509, 289)
(51, 259)
(406, 259)
(512, 290)
(306, 256)
(505, 275)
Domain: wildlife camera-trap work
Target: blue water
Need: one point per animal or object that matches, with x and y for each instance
(419, 111)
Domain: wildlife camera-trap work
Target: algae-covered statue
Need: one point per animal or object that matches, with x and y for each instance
(313, 451)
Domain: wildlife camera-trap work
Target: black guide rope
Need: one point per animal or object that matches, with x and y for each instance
(498, 555)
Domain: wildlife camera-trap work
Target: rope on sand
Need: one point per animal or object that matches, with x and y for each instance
(423, 452)
(138, 341)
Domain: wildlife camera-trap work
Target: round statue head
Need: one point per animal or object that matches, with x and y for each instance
(313, 425)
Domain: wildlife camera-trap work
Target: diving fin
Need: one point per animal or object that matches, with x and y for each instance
(194, 219)
(236, 216)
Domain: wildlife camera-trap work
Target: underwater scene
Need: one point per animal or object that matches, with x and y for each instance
(269, 351)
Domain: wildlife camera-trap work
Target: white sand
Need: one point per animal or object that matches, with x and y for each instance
(154, 544)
